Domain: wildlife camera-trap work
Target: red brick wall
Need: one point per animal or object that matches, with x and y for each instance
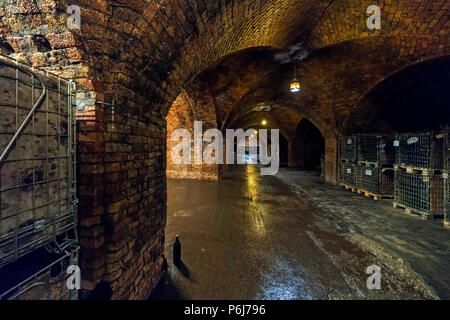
(182, 115)
(143, 53)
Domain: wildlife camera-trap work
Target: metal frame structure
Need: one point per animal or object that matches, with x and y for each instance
(421, 150)
(348, 173)
(43, 285)
(375, 149)
(377, 180)
(348, 148)
(421, 193)
(52, 99)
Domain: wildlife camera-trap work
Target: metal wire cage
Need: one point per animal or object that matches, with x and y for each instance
(447, 149)
(377, 149)
(358, 175)
(348, 174)
(447, 172)
(377, 181)
(421, 150)
(37, 160)
(425, 195)
(49, 282)
(348, 148)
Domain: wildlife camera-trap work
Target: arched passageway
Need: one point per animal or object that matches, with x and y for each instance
(308, 146)
(231, 62)
(414, 99)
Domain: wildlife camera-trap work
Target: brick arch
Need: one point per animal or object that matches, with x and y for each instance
(335, 78)
(303, 113)
(308, 145)
(363, 102)
(345, 20)
(141, 55)
(292, 108)
(193, 104)
(253, 121)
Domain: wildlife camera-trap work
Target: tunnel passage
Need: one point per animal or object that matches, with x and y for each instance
(142, 54)
(185, 111)
(308, 146)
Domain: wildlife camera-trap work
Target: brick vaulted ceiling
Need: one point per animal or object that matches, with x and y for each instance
(149, 50)
(235, 54)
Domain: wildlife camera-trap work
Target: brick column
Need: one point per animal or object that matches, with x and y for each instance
(331, 159)
(122, 192)
(91, 188)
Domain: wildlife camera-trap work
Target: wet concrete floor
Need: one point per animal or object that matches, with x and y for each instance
(292, 236)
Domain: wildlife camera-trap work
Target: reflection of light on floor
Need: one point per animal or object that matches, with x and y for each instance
(283, 284)
(255, 212)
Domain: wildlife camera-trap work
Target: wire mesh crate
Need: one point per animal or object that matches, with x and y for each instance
(420, 150)
(348, 174)
(37, 160)
(446, 133)
(419, 193)
(447, 173)
(348, 148)
(47, 281)
(376, 149)
(377, 182)
(358, 175)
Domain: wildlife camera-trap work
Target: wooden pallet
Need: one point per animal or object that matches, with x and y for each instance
(376, 164)
(348, 161)
(347, 187)
(412, 211)
(423, 171)
(373, 195)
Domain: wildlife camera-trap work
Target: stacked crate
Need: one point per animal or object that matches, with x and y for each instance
(347, 163)
(446, 175)
(375, 172)
(420, 177)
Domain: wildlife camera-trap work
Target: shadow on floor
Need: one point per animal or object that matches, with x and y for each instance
(165, 290)
(183, 270)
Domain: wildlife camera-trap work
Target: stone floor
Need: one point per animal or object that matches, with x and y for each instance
(292, 236)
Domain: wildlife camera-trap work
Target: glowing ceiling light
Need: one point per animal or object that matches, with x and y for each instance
(264, 122)
(295, 84)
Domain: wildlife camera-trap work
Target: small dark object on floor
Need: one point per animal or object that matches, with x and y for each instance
(177, 251)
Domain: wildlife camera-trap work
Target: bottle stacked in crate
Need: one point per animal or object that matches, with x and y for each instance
(420, 176)
(348, 162)
(376, 157)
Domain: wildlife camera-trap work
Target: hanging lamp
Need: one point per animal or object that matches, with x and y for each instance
(295, 84)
